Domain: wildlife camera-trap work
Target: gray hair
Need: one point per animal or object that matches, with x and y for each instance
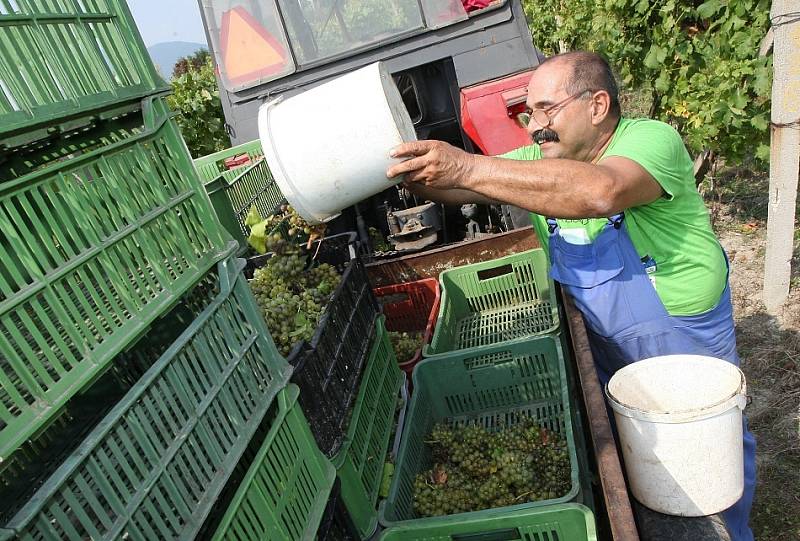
(590, 71)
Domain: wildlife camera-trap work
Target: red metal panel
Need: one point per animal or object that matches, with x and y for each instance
(488, 113)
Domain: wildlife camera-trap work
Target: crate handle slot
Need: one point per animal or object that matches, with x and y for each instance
(495, 272)
(508, 534)
(394, 298)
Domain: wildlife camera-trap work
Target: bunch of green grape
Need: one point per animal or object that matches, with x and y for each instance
(405, 344)
(476, 468)
(378, 241)
(285, 223)
(292, 297)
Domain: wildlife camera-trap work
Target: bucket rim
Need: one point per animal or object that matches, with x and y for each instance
(736, 399)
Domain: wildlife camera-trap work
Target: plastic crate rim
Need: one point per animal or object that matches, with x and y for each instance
(591, 528)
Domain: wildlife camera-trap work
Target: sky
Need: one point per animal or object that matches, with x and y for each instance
(180, 22)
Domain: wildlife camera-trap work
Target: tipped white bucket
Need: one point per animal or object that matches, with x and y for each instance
(328, 147)
(679, 419)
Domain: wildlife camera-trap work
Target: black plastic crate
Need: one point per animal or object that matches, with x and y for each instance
(328, 369)
(336, 524)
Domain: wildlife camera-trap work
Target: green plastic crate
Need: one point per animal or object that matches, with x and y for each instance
(211, 166)
(491, 302)
(285, 491)
(155, 465)
(566, 522)
(61, 59)
(38, 458)
(93, 249)
(359, 462)
(253, 186)
(491, 387)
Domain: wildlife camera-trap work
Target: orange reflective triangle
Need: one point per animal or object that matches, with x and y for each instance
(248, 50)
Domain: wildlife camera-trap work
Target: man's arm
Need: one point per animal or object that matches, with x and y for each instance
(550, 187)
(453, 196)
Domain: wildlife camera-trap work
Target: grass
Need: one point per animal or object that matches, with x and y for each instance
(769, 345)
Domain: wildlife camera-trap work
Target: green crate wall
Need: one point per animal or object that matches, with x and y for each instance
(61, 59)
(565, 522)
(491, 302)
(154, 466)
(492, 387)
(252, 186)
(38, 458)
(285, 491)
(359, 463)
(94, 248)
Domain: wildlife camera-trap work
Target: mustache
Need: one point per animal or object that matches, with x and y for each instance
(545, 135)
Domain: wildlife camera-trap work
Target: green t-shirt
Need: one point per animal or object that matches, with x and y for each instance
(689, 271)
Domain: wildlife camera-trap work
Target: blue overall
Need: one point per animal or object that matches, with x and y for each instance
(627, 322)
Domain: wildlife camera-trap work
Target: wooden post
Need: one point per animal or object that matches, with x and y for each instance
(784, 160)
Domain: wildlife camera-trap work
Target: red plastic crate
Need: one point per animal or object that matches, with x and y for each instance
(237, 161)
(411, 307)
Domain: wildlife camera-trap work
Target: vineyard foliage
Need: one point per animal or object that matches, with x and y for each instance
(195, 97)
(699, 59)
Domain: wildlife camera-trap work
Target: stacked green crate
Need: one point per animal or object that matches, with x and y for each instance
(503, 301)
(491, 302)
(495, 387)
(155, 465)
(360, 461)
(94, 248)
(233, 198)
(285, 490)
(63, 60)
(118, 293)
(587, 480)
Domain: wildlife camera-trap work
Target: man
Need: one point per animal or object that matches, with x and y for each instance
(613, 201)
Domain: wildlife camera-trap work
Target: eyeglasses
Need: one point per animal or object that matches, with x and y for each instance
(544, 117)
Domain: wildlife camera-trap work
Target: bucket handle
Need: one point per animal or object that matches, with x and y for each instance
(742, 401)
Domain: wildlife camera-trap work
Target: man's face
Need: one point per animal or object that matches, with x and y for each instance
(569, 131)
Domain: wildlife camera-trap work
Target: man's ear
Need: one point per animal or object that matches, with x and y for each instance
(601, 106)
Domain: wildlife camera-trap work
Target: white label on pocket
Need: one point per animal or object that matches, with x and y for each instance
(575, 235)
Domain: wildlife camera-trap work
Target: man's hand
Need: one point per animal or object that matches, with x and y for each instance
(433, 163)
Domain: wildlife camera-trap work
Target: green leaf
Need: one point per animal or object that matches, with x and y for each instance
(300, 319)
(258, 237)
(762, 152)
(655, 56)
(760, 122)
(253, 217)
(662, 83)
(707, 9)
(763, 82)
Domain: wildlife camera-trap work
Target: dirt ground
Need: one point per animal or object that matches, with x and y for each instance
(769, 346)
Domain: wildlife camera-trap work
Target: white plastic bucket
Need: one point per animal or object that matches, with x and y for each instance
(679, 419)
(328, 147)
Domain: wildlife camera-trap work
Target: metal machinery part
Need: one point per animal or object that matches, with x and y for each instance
(470, 212)
(414, 228)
